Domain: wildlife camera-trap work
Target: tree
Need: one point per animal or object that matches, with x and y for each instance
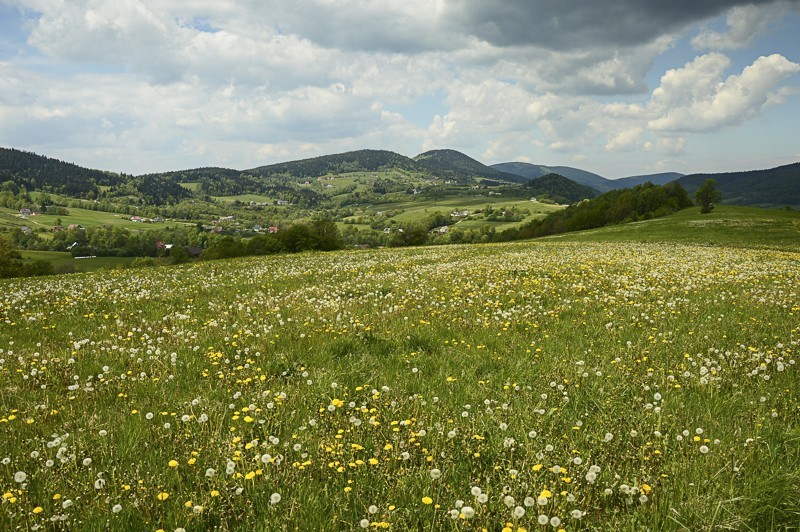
(10, 263)
(707, 195)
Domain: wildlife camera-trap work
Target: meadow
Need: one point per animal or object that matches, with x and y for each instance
(525, 386)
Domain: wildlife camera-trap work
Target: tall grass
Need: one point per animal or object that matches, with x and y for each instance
(584, 386)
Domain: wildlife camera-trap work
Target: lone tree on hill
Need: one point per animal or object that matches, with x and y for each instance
(707, 195)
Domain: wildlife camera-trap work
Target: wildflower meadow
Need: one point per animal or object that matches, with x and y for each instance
(526, 386)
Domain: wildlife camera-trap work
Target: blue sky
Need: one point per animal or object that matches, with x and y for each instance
(620, 87)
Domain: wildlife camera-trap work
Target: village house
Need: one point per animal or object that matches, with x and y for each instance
(26, 212)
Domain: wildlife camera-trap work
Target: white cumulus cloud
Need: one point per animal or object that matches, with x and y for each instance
(696, 98)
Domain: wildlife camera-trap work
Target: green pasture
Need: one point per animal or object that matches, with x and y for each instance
(540, 385)
(724, 226)
(61, 260)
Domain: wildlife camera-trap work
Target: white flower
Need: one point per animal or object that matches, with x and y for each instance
(703, 449)
(529, 501)
(475, 491)
(542, 519)
(210, 472)
(576, 514)
(275, 498)
(519, 511)
(435, 474)
(608, 436)
(364, 523)
(509, 501)
(555, 521)
(20, 476)
(468, 512)
(482, 498)
(117, 508)
(373, 509)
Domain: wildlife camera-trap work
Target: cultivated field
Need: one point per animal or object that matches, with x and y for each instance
(536, 386)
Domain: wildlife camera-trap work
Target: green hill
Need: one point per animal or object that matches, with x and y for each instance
(340, 163)
(732, 226)
(532, 171)
(559, 188)
(36, 172)
(772, 187)
(657, 179)
(451, 164)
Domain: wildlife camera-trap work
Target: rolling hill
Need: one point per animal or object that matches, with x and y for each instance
(353, 161)
(451, 164)
(768, 188)
(560, 189)
(656, 179)
(532, 171)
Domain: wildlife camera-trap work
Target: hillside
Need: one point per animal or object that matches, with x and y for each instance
(656, 179)
(559, 188)
(36, 172)
(730, 226)
(605, 386)
(532, 171)
(772, 187)
(340, 163)
(451, 164)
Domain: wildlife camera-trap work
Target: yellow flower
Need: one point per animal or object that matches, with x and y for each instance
(173, 463)
(545, 493)
(427, 500)
(38, 510)
(187, 504)
(214, 493)
(163, 496)
(348, 489)
(646, 489)
(250, 476)
(537, 467)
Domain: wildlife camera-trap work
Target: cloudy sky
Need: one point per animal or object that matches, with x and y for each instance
(617, 87)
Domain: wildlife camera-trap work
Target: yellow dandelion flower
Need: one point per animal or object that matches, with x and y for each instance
(38, 510)
(163, 496)
(173, 463)
(427, 500)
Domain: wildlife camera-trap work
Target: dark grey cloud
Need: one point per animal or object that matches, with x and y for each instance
(575, 24)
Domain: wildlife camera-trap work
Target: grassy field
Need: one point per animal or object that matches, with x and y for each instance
(83, 217)
(541, 385)
(725, 226)
(63, 259)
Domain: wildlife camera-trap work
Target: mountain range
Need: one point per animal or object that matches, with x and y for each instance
(770, 187)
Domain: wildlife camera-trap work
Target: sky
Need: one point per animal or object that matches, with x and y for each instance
(616, 87)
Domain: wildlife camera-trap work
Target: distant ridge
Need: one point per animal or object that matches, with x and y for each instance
(768, 188)
(657, 179)
(460, 167)
(532, 171)
(352, 161)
